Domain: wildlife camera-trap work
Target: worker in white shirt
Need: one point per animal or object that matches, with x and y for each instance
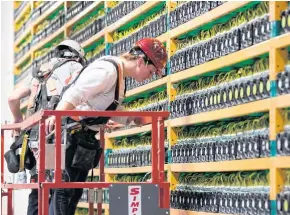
(43, 87)
(100, 86)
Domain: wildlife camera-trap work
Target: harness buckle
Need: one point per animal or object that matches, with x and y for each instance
(116, 102)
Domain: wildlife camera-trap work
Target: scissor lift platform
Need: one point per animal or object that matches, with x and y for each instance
(145, 198)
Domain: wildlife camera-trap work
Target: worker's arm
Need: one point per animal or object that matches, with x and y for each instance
(139, 121)
(14, 101)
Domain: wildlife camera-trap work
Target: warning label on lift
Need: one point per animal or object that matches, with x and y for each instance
(134, 195)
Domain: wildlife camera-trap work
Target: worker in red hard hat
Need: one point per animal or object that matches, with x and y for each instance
(153, 52)
(100, 86)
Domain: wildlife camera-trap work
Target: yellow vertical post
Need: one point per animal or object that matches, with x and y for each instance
(276, 122)
(108, 40)
(108, 4)
(277, 179)
(172, 46)
(173, 179)
(109, 37)
(172, 138)
(275, 9)
(172, 135)
(109, 143)
(171, 91)
(171, 49)
(106, 211)
(278, 59)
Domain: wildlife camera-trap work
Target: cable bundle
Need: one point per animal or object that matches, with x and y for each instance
(24, 72)
(40, 7)
(234, 192)
(156, 102)
(247, 28)
(20, 6)
(22, 24)
(50, 25)
(151, 26)
(95, 51)
(220, 141)
(77, 8)
(90, 25)
(25, 65)
(131, 83)
(223, 90)
(23, 47)
(85, 211)
(132, 152)
(186, 11)
(47, 51)
(121, 9)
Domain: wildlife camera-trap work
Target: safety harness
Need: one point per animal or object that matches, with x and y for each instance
(19, 157)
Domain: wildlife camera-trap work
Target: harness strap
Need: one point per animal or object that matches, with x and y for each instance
(23, 152)
(113, 106)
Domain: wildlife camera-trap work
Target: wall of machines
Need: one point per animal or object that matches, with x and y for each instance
(247, 28)
(39, 22)
(211, 142)
(229, 193)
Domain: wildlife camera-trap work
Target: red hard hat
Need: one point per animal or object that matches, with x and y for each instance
(154, 50)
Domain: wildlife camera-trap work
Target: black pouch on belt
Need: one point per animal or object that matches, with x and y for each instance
(88, 152)
(19, 156)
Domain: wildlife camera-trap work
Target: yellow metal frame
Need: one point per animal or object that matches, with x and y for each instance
(275, 9)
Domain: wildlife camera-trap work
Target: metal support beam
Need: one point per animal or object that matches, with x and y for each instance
(172, 48)
(278, 58)
(171, 91)
(154, 138)
(275, 9)
(45, 201)
(277, 178)
(172, 135)
(173, 179)
(10, 202)
(276, 122)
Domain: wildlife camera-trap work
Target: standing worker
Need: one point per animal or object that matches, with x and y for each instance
(54, 75)
(100, 86)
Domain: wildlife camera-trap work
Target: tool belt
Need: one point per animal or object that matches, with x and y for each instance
(83, 149)
(19, 156)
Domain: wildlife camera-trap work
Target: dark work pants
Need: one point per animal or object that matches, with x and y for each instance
(64, 201)
(63, 195)
(32, 208)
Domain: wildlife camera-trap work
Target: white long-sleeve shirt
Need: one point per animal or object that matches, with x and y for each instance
(95, 88)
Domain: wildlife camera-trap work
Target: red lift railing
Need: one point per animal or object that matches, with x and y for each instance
(157, 154)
